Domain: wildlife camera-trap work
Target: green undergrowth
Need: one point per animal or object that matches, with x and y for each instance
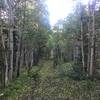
(21, 85)
(72, 70)
(53, 84)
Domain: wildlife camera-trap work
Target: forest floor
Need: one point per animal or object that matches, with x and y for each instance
(45, 82)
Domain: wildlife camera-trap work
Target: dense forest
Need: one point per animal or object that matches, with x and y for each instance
(43, 62)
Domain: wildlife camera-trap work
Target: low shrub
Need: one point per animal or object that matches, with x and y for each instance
(72, 70)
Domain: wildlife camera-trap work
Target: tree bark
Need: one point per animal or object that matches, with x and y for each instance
(92, 46)
(11, 54)
(5, 59)
(82, 47)
(11, 22)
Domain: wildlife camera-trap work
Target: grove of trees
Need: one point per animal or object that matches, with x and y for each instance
(26, 37)
(23, 35)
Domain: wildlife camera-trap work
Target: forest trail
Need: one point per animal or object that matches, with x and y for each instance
(41, 61)
(51, 85)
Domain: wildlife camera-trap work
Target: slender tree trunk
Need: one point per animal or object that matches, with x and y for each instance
(82, 47)
(92, 46)
(22, 57)
(2, 71)
(2, 67)
(5, 54)
(19, 64)
(17, 58)
(11, 54)
(29, 61)
(26, 58)
(11, 22)
(32, 58)
(82, 37)
(89, 37)
(19, 54)
(5, 58)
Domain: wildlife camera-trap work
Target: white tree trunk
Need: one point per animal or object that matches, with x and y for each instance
(11, 22)
(82, 47)
(6, 61)
(5, 56)
(92, 46)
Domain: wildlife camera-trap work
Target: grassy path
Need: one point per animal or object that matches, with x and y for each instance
(49, 84)
(53, 86)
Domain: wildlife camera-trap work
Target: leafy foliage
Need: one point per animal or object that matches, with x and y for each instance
(51, 85)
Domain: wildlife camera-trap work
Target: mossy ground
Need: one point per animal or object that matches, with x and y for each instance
(47, 83)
